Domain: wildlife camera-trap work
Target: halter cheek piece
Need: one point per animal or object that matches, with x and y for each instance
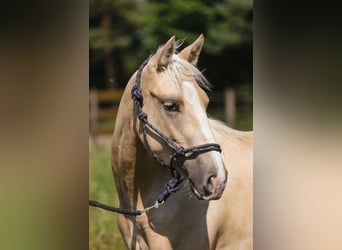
(180, 155)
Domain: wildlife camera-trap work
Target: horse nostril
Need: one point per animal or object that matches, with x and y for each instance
(209, 188)
(206, 191)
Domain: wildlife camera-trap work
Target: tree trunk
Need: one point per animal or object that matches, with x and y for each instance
(109, 68)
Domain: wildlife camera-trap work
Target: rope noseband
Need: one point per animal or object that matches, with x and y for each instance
(180, 153)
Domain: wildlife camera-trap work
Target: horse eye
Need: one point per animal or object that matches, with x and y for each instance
(171, 106)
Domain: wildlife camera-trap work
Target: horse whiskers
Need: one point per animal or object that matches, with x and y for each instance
(187, 194)
(190, 195)
(186, 191)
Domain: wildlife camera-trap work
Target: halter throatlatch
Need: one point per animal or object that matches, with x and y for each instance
(180, 155)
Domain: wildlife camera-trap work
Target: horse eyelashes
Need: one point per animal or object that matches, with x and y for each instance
(171, 106)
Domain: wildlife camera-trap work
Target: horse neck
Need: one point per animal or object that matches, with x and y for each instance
(137, 175)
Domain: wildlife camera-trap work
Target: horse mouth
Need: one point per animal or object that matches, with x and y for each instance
(195, 192)
(206, 196)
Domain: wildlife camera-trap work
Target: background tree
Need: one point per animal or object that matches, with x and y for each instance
(108, 32)
(123, 33)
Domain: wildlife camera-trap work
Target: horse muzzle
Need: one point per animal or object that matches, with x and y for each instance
(212, 190)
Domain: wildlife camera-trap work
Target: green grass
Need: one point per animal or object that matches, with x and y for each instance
(103, 230)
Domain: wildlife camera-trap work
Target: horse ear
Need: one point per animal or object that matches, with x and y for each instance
(192, 52)
(163, 56)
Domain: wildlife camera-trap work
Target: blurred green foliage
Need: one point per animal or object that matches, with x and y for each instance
(124, 32)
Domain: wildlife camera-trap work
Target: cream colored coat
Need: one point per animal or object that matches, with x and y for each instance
(183, 222)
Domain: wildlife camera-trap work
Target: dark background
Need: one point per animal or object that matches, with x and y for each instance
(124, 33)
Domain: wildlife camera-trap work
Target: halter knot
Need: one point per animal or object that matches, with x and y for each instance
(171, 187)
(180, 150)
(142, 116)
(136, 95)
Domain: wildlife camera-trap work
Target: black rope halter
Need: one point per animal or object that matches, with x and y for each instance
(180, 153)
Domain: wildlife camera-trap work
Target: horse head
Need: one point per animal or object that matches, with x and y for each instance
(175, 102)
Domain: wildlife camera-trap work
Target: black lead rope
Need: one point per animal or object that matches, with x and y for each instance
(180, 155)
(114, 209)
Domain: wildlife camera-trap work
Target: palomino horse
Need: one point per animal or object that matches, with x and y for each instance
(208, 212)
